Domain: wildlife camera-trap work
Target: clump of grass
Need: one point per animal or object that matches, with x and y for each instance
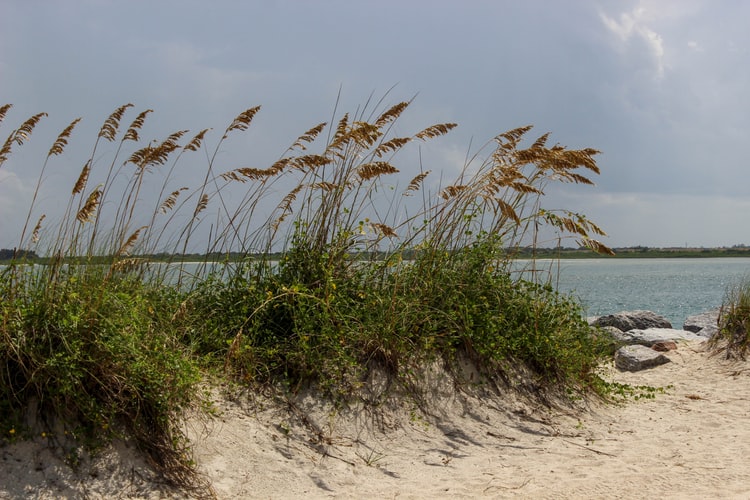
(733, 337)
(84, 338)
(349, 269)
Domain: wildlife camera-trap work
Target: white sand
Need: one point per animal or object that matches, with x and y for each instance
(692, 442)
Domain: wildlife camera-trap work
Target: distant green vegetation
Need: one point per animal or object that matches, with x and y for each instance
(635, 253)
(344, 274)
(6, 255)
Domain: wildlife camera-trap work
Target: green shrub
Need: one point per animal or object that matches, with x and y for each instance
(98, 357)
(733, 336)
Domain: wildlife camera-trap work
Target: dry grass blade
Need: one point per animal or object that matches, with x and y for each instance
(341, 135)
(286, 205)
(151, 156)
(587, 159)
(596, 246)
(128, 245)
(375, 169)
(243, 174)
(83, 177)
(365, 134)
(384, 230)
(539, 143)
(89, 208)
(20, 135)
(5, 150)
(24, 131)
(577, 178)
(279, 165)
(202, 204)
(242, 121)
(391, 114)
(507, 210)
(515, 135)
(310, 162)
(452, 191)
(169, 203)
(523, 187)
(132, 132)
(4, 110)
(112, 123)
(326, 186)
(252, 173)
(62, 140)
(415, 183)
(233, 175)
(595, 228)
(572, 226)
(435, 131)
(195, 142)
(392, 145)
(37, 228)
(308, 137)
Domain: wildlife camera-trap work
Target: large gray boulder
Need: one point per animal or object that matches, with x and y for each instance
(704, 324)
(631, 320)
(651, 336)
(634, 358)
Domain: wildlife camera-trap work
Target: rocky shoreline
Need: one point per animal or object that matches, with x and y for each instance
(641, 337)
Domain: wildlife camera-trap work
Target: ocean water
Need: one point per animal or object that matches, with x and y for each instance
(675, 288)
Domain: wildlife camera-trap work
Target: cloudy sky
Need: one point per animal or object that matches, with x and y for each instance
(661, 87)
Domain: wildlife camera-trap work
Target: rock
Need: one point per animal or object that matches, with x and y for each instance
(704, 324)
(633, 358)
(664, 346)
(630, 320)
(609, 338)
(651, 336)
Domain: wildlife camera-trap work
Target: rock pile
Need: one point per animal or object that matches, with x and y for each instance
(647, 335)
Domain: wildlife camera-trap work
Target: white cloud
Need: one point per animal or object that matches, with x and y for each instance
(636, 24)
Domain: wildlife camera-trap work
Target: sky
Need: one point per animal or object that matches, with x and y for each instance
(660, 87)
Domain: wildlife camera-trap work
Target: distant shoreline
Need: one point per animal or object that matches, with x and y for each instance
(523, 253)
(644, 253)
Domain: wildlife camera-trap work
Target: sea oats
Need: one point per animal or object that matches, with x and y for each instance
(112, 123)
(196, 141)
(415, 183)
(89, 208)
(242, 121)
(83, 177)
(132, 132)
(62, 140)
(435, 131)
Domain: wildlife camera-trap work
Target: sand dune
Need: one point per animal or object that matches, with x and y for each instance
(692, 441)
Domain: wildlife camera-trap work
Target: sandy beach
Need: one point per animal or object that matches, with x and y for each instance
(691, 441)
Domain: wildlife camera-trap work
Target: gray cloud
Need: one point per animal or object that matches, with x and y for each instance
(659, 86)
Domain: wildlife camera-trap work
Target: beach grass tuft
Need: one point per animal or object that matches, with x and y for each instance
(317, 269)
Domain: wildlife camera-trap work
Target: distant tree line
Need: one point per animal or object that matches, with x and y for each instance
(8, 254)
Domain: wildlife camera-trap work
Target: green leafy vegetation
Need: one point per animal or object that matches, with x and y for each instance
(316, 270)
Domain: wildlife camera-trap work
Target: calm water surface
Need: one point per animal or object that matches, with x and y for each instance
(675, 288)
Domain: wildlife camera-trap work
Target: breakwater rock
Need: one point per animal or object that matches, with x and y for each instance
(631, 320)
(643, 336)
(705, 324)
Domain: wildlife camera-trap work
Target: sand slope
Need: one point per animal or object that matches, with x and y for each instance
(691, 442)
